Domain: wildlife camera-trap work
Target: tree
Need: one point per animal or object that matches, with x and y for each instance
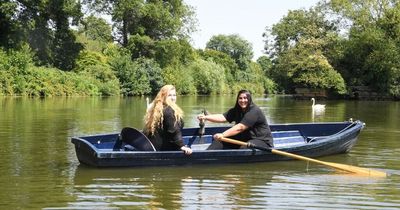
(371, 53)
(222, 59)
(156, 19)
(297, 45)
(96, 29)
(266, 65)
(44, 24)
(361, 13)
(9, 36)
(240, 50)
(209, 77)
(172, 51)
(133, 78)
(296, 25)
(305, 66)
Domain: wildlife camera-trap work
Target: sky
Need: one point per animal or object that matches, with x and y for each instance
(247, 18)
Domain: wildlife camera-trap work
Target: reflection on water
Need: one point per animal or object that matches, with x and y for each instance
(39, 168)
(265, 185)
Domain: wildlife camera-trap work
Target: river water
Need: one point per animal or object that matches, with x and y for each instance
(39, 168)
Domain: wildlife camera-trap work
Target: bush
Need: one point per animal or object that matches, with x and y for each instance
(133, 78)
(316, 72)
(180, 78)
(16, 62)
(255, 89)
(153, 71)
(208, 77)
(6, 83)
(270, 87)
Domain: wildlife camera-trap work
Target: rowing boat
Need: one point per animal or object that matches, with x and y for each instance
(306, 139)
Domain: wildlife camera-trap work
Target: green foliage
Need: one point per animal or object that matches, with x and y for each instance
(141, 46)
(270, 87)
(266, 65)
(16, 62)
(45, 82)
(298, 44)
(44, 24)
(236, 47)
(65, 49)
(6, 83)
(94, 34)
(158, 20)
(209, 77)
(104, 78)
(9, 37)
(96, 29)
(171, 51)
(18, 76)
(165, 52)
(362, 13)
(305, 66)
(132, 76)
(253, 88)
(371, 53)
(296, 25)
(153, 73)
(316, 72)
(382, 66)
(222, 59)
(94, 65)
(89, 58)
(181, 78)
(259, 81)
(307, 48)
(162, 19)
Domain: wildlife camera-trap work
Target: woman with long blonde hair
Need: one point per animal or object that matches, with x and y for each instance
(164, 121)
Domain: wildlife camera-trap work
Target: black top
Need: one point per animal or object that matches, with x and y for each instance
(169, 136)
(254, 119)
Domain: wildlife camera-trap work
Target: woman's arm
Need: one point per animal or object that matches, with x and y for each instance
(216, 118)
(236, 129)
(174, 131)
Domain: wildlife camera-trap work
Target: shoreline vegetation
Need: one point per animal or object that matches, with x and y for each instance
(345, 49)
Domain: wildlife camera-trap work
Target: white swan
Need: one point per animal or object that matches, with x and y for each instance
(148, 104)
(317, 106)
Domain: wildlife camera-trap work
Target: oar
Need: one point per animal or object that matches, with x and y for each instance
(201, 131)
(344, 167)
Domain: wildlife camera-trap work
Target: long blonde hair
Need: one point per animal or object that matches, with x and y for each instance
(154, 115)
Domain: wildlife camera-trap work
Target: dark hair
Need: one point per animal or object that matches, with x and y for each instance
(249, 99)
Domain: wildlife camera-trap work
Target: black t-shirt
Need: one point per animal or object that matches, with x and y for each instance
(254, 119)
(169, 136)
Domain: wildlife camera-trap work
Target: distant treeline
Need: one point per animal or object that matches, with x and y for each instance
(49, 48)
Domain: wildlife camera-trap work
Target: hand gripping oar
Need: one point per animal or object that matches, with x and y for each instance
(202, 125)
(344, 167)
(201, 131)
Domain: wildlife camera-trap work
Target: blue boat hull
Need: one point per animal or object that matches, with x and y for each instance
(306, 139)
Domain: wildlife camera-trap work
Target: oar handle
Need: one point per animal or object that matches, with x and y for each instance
(233, 141)
(201, 128)
(241, 143)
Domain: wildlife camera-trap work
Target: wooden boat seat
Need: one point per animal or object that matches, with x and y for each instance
(288, 138)
(281, 138)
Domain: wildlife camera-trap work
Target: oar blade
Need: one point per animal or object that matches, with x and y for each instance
(358, 170)
(344, 167)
